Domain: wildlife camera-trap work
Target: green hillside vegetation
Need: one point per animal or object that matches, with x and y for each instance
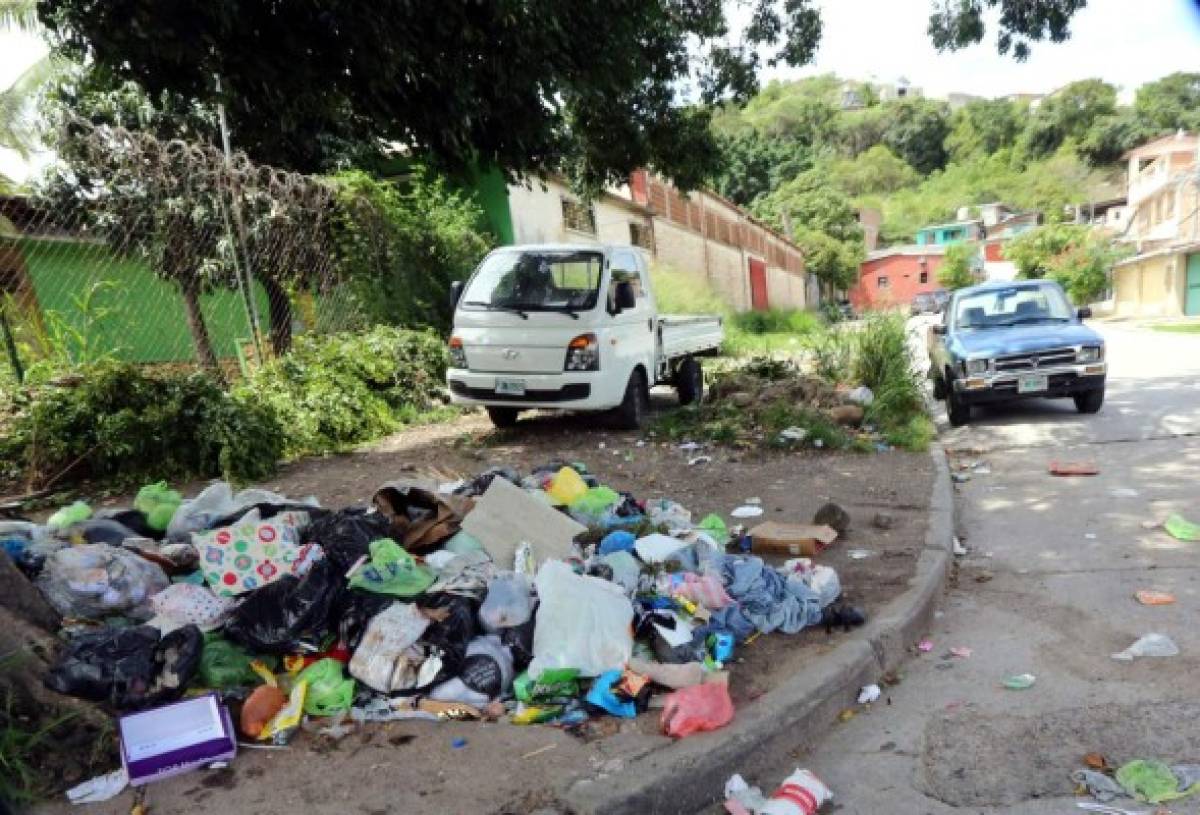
(798, 160)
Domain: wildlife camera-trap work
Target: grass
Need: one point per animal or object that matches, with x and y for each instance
(1177, 328)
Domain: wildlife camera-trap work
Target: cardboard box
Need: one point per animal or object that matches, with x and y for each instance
(175, 738)
(793, 540)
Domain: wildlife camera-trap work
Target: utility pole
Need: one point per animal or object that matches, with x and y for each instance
(10, 344)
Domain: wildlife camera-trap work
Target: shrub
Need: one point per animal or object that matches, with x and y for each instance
(832, 354)
(777, 321)
(882, 363)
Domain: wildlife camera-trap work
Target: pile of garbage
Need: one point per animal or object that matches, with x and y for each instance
(547, 599)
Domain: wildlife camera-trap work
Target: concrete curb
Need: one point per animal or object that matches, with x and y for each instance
(688, 775)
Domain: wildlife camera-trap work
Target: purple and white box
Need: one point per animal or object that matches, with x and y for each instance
(176, 738)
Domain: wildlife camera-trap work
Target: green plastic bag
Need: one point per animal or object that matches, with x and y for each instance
(393, 571)
(1182, 529)
(1150, 781)
(713, 525)
(73, 514)
(551, 685)
(224, 665)
(595, 501)
(158, 502)
(329, 691)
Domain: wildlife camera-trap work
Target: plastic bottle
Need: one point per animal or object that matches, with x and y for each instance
(801, 793)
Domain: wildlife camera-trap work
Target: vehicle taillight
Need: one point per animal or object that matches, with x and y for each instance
(458, 357)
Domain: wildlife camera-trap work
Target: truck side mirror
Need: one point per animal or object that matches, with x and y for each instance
(939, 329)
(625, 297)
(456, 290)
(1084, 313)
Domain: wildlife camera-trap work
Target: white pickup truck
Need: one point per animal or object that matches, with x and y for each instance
(571, 327)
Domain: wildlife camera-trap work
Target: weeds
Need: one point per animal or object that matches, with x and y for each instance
(777, 321)
(832, 353)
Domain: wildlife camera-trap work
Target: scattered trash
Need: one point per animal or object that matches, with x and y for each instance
(1019, 681)
(832, 515)
(791, 539)
(925, 646)
(458, 743)
(861, 395)
(1151, 524)
(959, 549)
(1151, 781)
(1099, 785)
(1073, 468)
(696, 709)
(1089, 536)
(882, 520)
(793, 435)
(175, 738)
(692, 462)
(741, 798)
(1182, 529)
(869, 694)
(1150, 597)
(747, 511)
(1096, 761)
(1123, 492)
(100, 788)
(801, 793)
(961, 652)
(1149, 645)
(960, 478)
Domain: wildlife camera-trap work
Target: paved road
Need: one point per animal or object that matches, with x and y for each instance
(1047, 588)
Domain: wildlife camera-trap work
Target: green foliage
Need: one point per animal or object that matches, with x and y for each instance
(832, 354)
(21, 782)
(402, 247)
(955, 25)
(810, 201)
(755, 164)
(984, 126)
(955, 271)
(916, 434)
(878, 170)
(336, 391)
(1172, 103)
(916, 132)
(834, 262)
(1068, 114)
(1112, 135)
(882, 363)
(1076, 256)
(1177, 328)
(776, 320)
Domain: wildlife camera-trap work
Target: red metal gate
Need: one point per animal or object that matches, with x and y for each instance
(758, 285)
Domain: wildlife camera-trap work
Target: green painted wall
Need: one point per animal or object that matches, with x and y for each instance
(491, 193)
(146, 320)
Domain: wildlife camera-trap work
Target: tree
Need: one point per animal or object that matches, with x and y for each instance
(878, 170)
(982, 127)
(916, 132)
(955, 271)
(1078, 257)
(957, 24)
(1069, 113)
(1169, 104)
(528, 87)
(1111, 136)
(754, 165)
(810, 202)
(834, 262)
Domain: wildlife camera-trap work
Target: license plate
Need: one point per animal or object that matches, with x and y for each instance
(510, 387)
(1033, 383)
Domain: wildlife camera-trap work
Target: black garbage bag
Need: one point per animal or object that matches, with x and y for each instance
(277, 617)
(354, 611)
(519, 639)
(480, 483)
(266, 511)
(346, 535)
(451, 635)
(128, 667)
(132, 519)
(100, 530)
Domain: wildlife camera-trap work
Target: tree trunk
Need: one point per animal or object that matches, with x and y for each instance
(20, 597)
(200, 337)
(280, 315)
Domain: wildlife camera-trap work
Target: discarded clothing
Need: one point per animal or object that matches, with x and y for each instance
(765, 600)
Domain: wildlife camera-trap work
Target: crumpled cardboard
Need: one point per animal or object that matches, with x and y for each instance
(421, 518)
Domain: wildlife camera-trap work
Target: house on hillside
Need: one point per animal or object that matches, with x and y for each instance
(1163, 225)
(900, 89)
(751, 265)
(895, 275)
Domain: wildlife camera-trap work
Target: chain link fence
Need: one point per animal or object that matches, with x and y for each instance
(166, 253)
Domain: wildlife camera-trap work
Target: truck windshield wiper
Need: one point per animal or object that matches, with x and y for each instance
(495, 307)
(1033, 320)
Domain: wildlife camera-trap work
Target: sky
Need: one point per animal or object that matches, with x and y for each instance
(1125, 42)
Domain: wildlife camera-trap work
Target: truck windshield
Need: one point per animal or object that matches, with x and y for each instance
(536, 281)
(1018, 304)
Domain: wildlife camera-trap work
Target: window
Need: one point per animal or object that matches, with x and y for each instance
(535, 281)
(1020, 303)
(881, 281)
(641, 235)
(924, 277)
(579, 217)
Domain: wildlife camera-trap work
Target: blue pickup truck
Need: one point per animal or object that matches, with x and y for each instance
(1015, 340)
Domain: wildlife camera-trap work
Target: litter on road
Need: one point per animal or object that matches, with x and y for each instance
(546, 598)
(1019, 681)
(1150, 645)
(1150, 597)
(1073, 468)
(1182, 529)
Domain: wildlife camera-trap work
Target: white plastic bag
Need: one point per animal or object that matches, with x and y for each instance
(1150, 645)
(217, 501)
(386, 659)
(582, 622)
(95, 580)
(507, 604)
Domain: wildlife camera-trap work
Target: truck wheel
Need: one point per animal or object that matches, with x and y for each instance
(503, 417)
(631, 413)
(939, 386)
(689, 382)
(958, 413)
(1089, 401)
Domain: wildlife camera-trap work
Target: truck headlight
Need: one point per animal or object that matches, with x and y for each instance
(458, 357)
(1091, 353)
(583, 354)
(976, 367)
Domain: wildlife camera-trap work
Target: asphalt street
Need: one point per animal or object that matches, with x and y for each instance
(1046, 588)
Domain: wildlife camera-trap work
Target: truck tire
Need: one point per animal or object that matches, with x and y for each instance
(503, 417)
(1089, 401)
(631, 413)
(939, 386)
(689, 381)
(958, 413)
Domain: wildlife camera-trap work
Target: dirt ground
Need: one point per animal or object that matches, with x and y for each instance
(413, 766)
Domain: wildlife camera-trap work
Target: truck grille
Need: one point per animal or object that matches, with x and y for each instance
(1044, 359)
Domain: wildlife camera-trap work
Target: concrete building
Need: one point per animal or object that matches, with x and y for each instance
(900, 89)
(1163, 226)
(894, 276)
(749, 264)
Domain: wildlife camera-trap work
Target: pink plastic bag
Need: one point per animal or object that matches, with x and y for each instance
(696, 709)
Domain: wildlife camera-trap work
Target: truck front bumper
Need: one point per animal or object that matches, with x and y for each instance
(565, 391)
(1061, 381)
